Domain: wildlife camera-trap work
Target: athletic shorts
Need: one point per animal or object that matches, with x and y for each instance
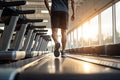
(59, 19)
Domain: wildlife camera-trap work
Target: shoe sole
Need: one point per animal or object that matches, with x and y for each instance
(56, 52)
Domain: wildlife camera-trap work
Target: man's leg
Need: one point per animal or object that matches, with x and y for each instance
(57, 44)
(64, 38)
(55, 34)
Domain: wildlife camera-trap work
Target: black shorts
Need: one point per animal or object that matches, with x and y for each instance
(59, 19)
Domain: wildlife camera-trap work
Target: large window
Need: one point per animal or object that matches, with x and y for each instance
(75, 38)
(106, 26)
(71, 40)
(118, 21)
(99, 30)
(80, 38)
(68, 42)
(94, 31)
(86, 34)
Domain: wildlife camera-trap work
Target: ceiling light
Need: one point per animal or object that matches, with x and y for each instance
(44, 11)
(45, 20)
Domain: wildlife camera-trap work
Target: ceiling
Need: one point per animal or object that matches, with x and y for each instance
(38, 6)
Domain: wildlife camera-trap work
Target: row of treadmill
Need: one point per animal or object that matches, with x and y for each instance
(20, 38)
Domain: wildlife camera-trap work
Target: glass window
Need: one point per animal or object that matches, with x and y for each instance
(118, 21)
(71, 39)
(86, 34)
(94, 31)
(106, 26)
(68, 42)
(80, 38)
(75, 38)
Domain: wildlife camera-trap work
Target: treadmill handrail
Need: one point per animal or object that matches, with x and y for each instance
(25, 11)
(40, 30)
(33, 27)
(34, 20)
(13, 3)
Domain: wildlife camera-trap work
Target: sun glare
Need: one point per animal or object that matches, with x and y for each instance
(89, 29)
(86, 31)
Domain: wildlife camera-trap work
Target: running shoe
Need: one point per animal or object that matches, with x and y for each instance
(56, 51)
(63, 54)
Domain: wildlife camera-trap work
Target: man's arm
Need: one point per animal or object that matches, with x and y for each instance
(47, 6)
(73, 9)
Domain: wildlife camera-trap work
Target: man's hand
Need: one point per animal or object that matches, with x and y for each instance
(73, 9)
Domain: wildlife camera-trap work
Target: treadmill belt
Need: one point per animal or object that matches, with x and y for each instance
(68, 69)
